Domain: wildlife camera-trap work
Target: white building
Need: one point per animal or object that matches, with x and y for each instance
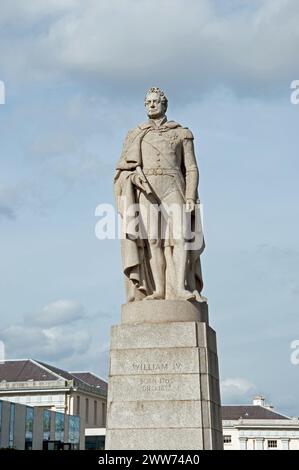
(36, 384)
(258, 427)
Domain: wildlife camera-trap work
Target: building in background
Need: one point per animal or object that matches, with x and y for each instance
(39, 385)
(258, 427)
(32, 428)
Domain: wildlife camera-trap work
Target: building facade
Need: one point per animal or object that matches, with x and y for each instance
(26, 428)
(258, 427)
(39, 385)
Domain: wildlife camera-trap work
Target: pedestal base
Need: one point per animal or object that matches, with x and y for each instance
(163, 389)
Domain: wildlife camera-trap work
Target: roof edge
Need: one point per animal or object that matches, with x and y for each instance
(40, 364)
(88, 372)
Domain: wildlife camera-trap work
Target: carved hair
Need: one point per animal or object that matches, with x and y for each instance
(157, 90)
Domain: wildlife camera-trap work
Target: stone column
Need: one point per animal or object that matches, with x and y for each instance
(259, 443)
(285, 444)
(243, 443)
(38, 431)
(163, 383)
(4, 434)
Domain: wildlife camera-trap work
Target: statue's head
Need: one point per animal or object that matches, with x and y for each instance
(156, 103)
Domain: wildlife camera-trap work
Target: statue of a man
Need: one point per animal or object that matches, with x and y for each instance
(158, 174)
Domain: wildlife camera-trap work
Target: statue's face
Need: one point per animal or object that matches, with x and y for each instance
(154, 106)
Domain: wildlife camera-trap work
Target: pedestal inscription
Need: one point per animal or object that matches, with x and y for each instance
(153, 361)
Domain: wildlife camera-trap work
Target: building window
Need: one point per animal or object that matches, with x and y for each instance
(95, 411)
(11, 425)
(74, 431)
(29, 428)
(86, 409)
(272, 444)
(59, 427)
(46, 425)
(78, 405)
(227, 439)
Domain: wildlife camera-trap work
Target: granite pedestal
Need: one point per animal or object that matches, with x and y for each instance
(163, 389)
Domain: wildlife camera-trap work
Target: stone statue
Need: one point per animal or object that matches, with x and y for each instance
(157, 178)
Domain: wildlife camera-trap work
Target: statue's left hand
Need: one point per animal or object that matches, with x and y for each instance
(190, 205)
(138, 180)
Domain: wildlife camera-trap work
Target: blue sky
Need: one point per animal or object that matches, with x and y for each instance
(75, 76)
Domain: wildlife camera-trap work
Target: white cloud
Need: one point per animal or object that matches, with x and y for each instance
(26, 341)
(57, 313)
(237, 390)
(20, 13)
(54, 332)
(61, 333)
(128, 42)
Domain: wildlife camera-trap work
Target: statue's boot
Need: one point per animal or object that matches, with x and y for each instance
(156, 295)
(185, 295)
(198, 297)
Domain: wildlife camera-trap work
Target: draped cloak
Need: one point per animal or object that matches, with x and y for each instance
(136, 267)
